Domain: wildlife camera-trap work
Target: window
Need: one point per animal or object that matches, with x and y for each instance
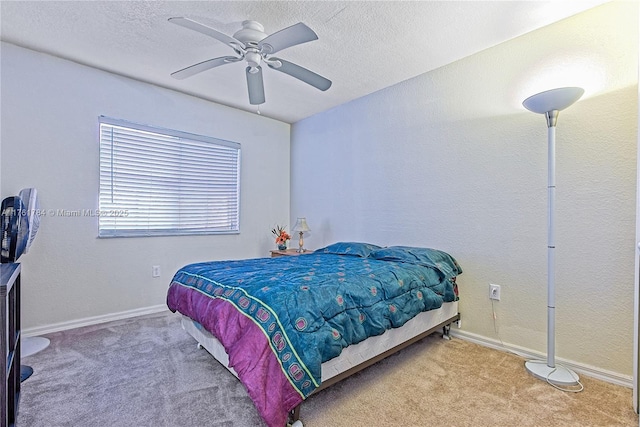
(163, 182)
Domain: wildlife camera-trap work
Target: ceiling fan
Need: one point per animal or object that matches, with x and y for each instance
(253, 45)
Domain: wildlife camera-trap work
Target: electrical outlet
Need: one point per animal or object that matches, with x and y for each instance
(155, 271)
(494, 292)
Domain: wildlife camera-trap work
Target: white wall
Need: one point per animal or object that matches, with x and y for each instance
(450, 159)
(50, 110)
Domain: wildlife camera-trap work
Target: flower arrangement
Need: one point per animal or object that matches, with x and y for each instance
(281, 236)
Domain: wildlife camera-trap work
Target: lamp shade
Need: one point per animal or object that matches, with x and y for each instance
(554, 99)
(301, 225)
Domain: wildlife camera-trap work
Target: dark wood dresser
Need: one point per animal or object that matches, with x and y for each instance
(9, 343)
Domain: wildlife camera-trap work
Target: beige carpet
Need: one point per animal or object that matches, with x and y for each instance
(457, 383)
(147, 372)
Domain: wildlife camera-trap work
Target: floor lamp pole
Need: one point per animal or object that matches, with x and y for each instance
(551, 240)
(550, 103)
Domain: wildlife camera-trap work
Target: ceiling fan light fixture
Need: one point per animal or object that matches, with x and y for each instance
(253, 58)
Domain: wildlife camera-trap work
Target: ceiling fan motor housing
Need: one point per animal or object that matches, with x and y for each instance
(251, 33)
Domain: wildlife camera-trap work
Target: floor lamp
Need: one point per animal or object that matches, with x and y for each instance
(550, 103)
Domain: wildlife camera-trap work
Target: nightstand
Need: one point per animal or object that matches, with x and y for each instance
(288, 252)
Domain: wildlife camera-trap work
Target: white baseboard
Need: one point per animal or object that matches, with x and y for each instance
(87, 321)
(526, 353)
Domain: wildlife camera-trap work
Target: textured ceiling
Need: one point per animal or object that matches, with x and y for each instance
(363, 46)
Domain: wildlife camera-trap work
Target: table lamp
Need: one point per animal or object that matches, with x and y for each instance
(301, 226)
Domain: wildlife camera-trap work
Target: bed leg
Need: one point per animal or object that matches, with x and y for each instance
(294, 417)
(446, 332)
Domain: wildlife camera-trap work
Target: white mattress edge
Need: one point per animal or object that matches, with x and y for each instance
(374, 346)
(208, 341)
(350, 356)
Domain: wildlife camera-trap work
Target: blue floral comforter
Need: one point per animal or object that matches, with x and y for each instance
(305, 309)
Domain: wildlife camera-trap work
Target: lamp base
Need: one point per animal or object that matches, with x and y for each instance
(32, 345)
(559, 375)
(25, 372)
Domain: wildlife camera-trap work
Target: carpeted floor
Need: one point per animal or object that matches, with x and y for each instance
(148, 372)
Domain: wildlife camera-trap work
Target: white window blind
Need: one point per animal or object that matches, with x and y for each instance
(163, 182)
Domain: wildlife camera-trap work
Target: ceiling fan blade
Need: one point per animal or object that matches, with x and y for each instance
(203, 66)
(300, 73)
(255, 85)
(201, 28)
(287, 37)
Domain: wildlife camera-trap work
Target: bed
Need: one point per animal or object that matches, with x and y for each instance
(290, 326)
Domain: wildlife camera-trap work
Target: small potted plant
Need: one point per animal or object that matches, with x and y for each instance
(282, 237)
